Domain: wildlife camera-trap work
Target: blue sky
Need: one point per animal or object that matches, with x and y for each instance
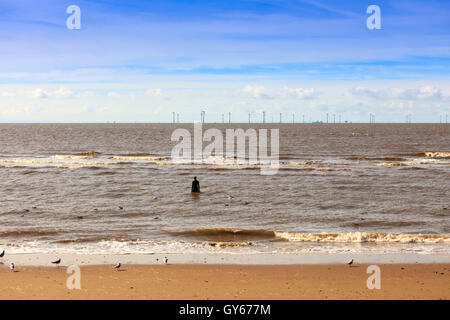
(142, 60)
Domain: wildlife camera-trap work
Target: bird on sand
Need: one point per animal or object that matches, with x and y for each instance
(350, 262)
(57, 261)
(117, 266)
(11, 266)
(2, 254)
(120, 207)
(166, 260)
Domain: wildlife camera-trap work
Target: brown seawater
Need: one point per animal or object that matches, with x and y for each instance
(339, 188)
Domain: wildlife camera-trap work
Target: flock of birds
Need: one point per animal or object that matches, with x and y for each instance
(57, 262)
(118, 265)
(25, 211)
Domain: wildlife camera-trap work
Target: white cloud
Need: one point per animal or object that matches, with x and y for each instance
(20, 110)
(257, 92)
(372, 93)
(86, 94)
(429, 92)
(395, 105)
(62, 93)
(43, 94)
(154, 92)
(422, 93)
(38, 94)
(302, 93)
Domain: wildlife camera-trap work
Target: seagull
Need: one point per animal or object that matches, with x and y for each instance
(34, 207)
(11, 266)
(57, 261)
(117, 266)
(350, 262)
(230, 196)
(2, 254)
(120, 207)
(166, 260)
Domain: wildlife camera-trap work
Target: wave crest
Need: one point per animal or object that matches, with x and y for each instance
(230, 234)
(361, 237)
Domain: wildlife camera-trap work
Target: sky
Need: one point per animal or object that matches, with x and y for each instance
(140, 61)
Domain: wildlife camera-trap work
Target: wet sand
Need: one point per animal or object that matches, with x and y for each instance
(398, 281)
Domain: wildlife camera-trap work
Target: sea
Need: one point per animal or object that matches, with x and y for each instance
(113, 188)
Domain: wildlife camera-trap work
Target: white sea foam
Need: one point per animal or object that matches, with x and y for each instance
(350, 244)
(362, 237)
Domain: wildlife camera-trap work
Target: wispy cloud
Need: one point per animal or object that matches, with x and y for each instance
(38, 94)
(86, 94)
(302, 93)
(257, 92)
(422, 93)
(301, 56)
(62, 93)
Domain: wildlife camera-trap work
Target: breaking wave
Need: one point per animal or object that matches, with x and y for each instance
(230, 234)
(81, 155)
(227, 234)
(431, 154)
(363, 158)
(142, 158)
(58, 160)
(437, 154)
(362, 237)
(413, 163)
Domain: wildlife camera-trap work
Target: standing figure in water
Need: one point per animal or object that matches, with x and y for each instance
(195, 185)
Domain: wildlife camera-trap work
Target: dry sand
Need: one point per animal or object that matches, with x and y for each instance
(398, 281)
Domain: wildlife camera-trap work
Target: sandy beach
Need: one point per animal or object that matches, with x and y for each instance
(398, 281)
